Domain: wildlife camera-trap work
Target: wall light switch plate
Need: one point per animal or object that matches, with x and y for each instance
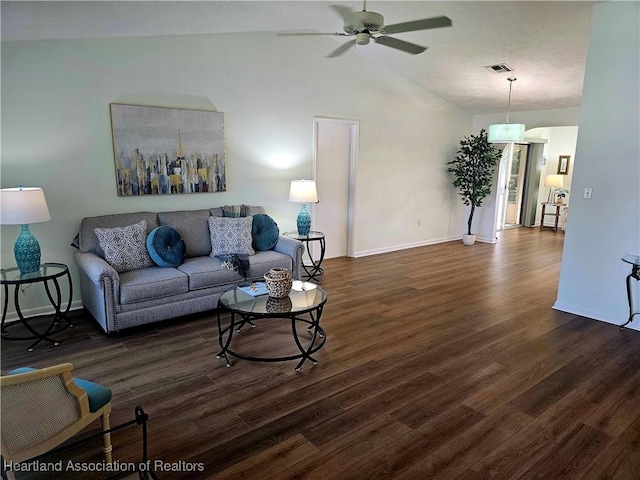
(587, 193)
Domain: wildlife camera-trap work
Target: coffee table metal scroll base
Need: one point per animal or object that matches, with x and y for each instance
(306, 305)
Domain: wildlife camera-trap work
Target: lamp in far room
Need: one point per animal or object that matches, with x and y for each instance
(507, 132)
(553, 182)
(303, 191)
(22, 206)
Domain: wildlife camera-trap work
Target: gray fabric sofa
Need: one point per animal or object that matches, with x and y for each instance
(131, 298)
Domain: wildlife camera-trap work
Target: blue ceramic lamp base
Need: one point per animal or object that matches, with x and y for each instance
(27, 251)
(304, 221)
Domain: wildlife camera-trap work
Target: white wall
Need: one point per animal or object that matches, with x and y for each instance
(605, 228)
(56, 131)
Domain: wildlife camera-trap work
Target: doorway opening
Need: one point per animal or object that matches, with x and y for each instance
(512, 181)
(335, 160)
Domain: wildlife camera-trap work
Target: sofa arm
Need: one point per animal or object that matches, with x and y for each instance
(293, 248)
(99, 288)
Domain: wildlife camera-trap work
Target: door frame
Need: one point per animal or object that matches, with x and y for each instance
(502, 184)
(354, 132)
(531, 182)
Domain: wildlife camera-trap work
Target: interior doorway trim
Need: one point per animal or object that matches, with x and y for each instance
(354, 129)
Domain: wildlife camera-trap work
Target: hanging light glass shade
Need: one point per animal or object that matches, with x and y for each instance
(507, 132)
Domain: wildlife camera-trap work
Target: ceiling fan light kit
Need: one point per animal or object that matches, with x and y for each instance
(365, 25)
(362, 38)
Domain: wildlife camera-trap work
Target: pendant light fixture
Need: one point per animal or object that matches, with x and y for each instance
(507, 132)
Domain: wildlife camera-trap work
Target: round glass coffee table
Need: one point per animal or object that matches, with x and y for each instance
(303, 305)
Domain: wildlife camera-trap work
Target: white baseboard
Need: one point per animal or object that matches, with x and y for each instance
(577, 310)
(405, 246)
(12, 316)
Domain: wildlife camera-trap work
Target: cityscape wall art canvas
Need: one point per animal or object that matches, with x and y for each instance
(167, 151)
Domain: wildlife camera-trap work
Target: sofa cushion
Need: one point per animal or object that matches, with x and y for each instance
(192, 227)
(250, 211)
(245, 210)
(125, 248)
(233, 211)
(216, 212)
(97, 395)
(230, 236)
(166, 247)
(150, 283)
(87, 239)
(265, 232)
(205, 272)
(262, 262)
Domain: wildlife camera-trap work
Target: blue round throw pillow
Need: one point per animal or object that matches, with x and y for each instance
(166, 247)
(265, 232)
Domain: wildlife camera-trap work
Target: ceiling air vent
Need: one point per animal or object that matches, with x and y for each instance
(499, 68)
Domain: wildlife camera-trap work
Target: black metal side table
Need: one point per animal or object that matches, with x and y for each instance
(635, 274)
(48, 273)
(314, 270)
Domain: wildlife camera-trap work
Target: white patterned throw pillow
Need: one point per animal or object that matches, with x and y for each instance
(231, 236)
(125, 248)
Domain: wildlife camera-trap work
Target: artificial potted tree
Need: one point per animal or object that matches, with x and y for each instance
(473, 169)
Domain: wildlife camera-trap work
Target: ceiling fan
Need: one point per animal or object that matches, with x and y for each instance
(365, 26)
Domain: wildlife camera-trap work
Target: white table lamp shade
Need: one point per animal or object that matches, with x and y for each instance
(303, 191)
(23, 205)
(553, 181)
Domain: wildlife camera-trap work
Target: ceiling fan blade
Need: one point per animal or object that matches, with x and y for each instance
(342, 49)
(424, 24)
(400, 45)
(344, 12)
(294, 34)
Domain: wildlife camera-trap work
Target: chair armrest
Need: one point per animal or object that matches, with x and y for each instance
(295, 249)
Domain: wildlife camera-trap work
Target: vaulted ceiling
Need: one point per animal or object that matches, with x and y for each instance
(545, 43)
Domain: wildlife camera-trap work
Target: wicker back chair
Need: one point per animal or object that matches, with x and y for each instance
(42, 408)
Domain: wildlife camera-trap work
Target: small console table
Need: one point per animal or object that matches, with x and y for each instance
(556, 214)
(314, 270)
(48, 273)
(635, 274)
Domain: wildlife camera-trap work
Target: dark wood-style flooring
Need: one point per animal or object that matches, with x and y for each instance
(441, 362)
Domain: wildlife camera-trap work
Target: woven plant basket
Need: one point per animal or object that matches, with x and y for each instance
(278, 282)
